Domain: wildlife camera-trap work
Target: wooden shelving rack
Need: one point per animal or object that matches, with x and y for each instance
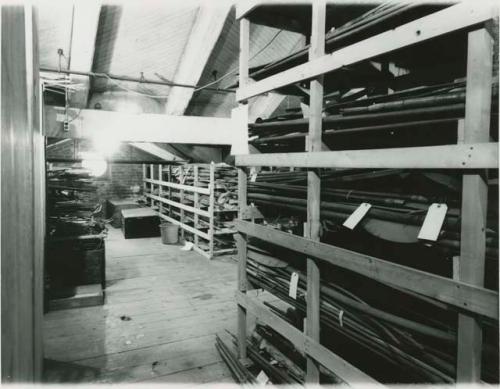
(475, 152)
(190, 200)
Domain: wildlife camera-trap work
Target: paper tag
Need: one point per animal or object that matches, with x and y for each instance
(433, 222)
(341, 315)
(294, 282)
(262, 378)
(253, 177)
(358, 214)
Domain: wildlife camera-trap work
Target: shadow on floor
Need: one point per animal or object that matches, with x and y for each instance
(69, 372)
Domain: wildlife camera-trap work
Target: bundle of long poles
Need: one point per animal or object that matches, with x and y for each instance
(339, 204)
(420, 351)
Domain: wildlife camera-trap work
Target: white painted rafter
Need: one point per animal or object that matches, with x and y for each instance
(85, 24)
(155, 150)
(203, 37)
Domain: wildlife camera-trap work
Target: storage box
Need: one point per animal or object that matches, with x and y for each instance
(115, 207)
(140, 223)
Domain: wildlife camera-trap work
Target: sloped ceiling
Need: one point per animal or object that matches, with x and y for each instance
(147, 38)
(137, 38)
(54, 32)
(266, 44)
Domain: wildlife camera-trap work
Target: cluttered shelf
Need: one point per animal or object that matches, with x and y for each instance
(398, 266)
(75, 259)
(199, 198)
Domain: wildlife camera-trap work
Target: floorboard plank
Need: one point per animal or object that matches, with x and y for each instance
(163, 308)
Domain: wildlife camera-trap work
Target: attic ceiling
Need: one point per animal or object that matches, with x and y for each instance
(148, 39)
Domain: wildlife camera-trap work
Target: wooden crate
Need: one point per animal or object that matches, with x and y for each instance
(140, 223)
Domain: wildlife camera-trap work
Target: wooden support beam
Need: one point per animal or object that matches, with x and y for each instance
(83, 37)
(184, 226)
(23, 182)
(264, 106)
(474, 199)
(465, 156)
(241, 239)
(181, 206)
(174, 185)
(196, 202)
(305, 344)
(169, 180)
(456, 17)
(202, 39)
(155, 150)
(211, 209)
(460, 295)
(160, 188)
(181, 200)
(126, 127)
(314, 144)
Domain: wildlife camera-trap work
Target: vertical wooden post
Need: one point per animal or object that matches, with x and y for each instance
(181, 199)
(196, 203)
(169, 178)
(144, 183)
(152, 186)
(241, 239)
(211, 211)
(22, 210)
(317, 49)
(474, 199)
(160, 187)
(241, 245)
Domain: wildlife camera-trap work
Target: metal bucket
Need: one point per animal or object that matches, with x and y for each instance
(169, 233)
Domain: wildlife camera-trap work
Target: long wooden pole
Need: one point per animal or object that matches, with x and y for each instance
(241, 239)
(474, 199)
(314, 184)
(241, 245)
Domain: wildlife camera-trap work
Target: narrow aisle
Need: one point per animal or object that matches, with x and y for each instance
(163, 307)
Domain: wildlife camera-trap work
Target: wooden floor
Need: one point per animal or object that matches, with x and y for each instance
(163, 307)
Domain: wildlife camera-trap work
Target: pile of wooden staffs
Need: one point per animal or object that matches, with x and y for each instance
(391, 335)
(344, 190)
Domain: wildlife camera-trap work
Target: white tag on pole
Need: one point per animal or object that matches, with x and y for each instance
(262, 378)
(433, 222)
(358, 214)
(294, 282)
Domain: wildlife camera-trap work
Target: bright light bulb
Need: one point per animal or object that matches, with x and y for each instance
(94, 163)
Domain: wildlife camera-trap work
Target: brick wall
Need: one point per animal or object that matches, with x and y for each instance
(120, 179)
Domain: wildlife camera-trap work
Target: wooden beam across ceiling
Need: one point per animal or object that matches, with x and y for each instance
(125, 127)
(203, 37)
